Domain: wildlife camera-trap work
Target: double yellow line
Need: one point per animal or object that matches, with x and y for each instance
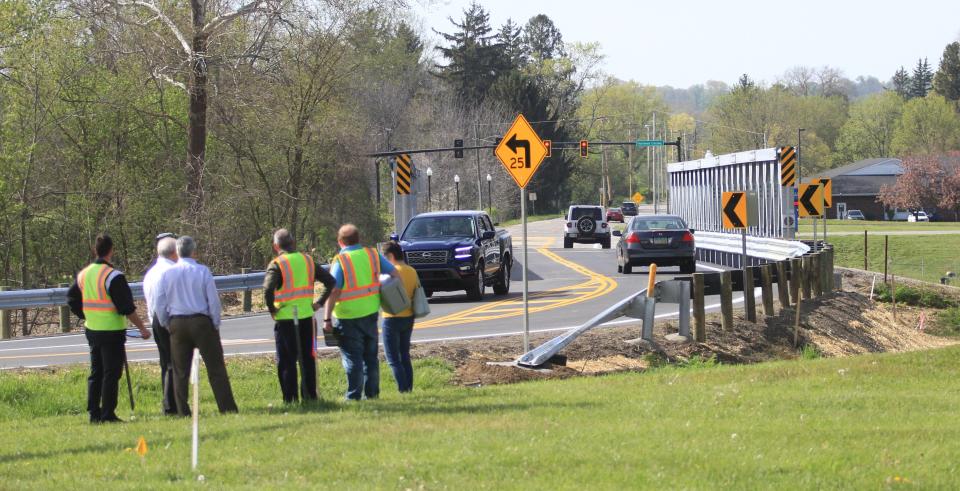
(595, 286)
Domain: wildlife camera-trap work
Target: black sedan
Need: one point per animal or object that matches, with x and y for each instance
(662, 239)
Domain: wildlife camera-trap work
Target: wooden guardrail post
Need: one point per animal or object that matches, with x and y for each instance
(816, 282)
(828, 283)
(5, 316)
(796, 278)
(726, 301)
(783, 286)
(247, 294)
(805, 274)
(699, 310)
(64, 313)
(766, 287)
(749, 300)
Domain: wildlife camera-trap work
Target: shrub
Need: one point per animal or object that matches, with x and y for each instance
(910, 295)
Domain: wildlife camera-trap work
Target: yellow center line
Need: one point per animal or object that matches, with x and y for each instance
(596, 285)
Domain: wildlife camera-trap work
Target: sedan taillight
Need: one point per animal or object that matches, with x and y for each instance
(687, 237)
(633, 238)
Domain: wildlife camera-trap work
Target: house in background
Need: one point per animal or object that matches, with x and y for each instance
(857, 185)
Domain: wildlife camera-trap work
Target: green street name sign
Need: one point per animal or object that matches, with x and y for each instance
(649, 143)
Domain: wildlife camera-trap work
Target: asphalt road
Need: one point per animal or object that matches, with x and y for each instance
(566, 286)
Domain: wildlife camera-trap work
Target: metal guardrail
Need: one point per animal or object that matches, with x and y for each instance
(757, 247)
(53, 297)
(638, 306)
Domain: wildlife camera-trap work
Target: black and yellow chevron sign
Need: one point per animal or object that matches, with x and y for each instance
(788, 165)
(403, 173)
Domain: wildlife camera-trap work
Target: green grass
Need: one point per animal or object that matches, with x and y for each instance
(806, 226)
(947, 323)
(530, 218)
(923, 257)
(917, 297)
(868, 422)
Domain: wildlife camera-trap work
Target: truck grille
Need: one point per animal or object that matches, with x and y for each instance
(427, 257)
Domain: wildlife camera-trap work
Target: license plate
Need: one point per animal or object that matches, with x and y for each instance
(660, 240)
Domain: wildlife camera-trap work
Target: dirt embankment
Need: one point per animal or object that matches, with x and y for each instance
(845, 323)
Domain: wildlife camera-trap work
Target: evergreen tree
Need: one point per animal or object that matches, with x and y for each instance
(510, 38)
(474, 58)
(744, 84)
(543, 38)
(947, 80)
(902, 83)
(922, 79)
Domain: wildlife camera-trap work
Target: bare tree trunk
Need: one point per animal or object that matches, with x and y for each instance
(197, 125)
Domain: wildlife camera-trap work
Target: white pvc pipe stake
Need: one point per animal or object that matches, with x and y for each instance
(195, 381)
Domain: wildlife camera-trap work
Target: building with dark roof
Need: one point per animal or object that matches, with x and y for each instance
(857, 185)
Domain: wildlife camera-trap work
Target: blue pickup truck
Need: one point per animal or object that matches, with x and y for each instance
(458, 250)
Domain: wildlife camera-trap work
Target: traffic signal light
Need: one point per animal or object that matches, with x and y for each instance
(584, 145)
(458, 152)
(548, 144)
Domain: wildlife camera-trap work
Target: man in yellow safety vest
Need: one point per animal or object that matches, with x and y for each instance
(288, 293)
(355, 302)
(102, 297)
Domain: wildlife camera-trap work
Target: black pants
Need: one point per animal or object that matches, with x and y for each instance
(287, 345)
(162, 336)
(106, 366)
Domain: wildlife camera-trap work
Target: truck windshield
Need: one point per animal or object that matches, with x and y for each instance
(435, 227)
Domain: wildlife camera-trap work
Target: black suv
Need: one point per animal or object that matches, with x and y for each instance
(629, 209)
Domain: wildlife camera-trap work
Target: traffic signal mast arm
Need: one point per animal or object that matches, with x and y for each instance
(555, 145)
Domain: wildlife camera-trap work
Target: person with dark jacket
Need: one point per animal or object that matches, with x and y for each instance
(101, 296)
(288, 293)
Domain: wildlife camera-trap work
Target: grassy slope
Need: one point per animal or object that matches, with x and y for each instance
(859, 422)
(940, 253)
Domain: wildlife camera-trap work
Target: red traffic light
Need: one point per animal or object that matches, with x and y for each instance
(548, 144)
(584, 145)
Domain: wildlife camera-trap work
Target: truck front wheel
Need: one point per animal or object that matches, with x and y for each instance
(477, 289)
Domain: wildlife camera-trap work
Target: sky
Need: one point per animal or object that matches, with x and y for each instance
(689, 42)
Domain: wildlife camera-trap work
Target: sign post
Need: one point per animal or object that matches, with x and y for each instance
(826, 186)
(811, 205)
(521, 151)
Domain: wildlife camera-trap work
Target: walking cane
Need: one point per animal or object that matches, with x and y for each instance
(126, 367)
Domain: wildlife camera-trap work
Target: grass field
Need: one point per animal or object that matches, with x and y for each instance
(530, 218)
(806, 226)
(923, 257)
(869, 422)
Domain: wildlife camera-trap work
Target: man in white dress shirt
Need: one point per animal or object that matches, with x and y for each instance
(166, 258)
(189, 306)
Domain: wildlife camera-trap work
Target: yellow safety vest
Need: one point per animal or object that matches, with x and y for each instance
(360, 295)
(98, 308)
(297, 289)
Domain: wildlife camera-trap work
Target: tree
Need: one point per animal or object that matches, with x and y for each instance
(929, 125)
(474, 58)
(192, 44)
(947, 80)
(543, 39)
(870, 128)
(510, 37)
(902, 83)
(744, 84)
(928, 182)
(922, 79)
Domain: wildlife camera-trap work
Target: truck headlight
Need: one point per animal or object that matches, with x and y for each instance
(462, 253)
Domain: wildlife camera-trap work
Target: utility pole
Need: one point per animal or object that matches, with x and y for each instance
(630, 164)
(479, 193)
(656, 176)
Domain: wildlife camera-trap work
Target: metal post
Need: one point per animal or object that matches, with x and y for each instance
(457, 183)
(886, 260)
(64, 313)
(5, 316)
(479, 192)
(429, 191)
(743, 252)
(526, 310)
(814, 234)
(376, 167)
(247, 294)
(489, 195)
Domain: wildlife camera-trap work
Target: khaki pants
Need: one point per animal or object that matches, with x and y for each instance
(187, 333)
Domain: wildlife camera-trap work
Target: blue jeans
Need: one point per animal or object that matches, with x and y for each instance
(358, 350)
(396, 345)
